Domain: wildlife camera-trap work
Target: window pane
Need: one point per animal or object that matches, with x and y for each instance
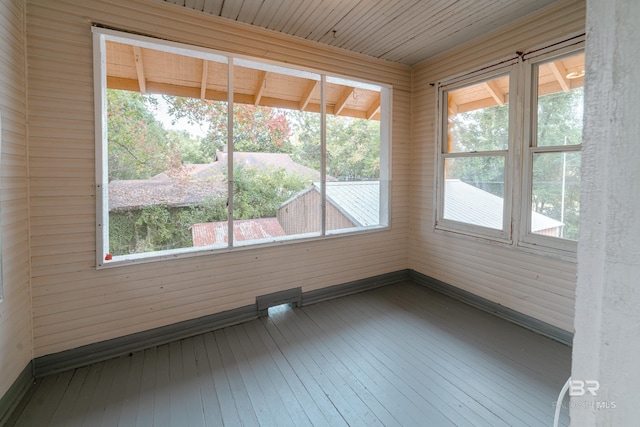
(353, 157)
(560, 101)
(478, 117)
(165, 176)
(276, 155)
(556, 194)
(474, 190)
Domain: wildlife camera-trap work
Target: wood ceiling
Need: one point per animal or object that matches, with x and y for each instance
(147, 70)
(403, 31)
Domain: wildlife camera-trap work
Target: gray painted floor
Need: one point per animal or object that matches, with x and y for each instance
(401, 355)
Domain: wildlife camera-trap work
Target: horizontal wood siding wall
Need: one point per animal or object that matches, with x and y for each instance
(539, 286)
(15, 308)
(75, 304)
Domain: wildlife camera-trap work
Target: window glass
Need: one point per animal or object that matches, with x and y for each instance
(276, 155)
(555, 194)
(168, 135)
(353, 157)
(556, 159)
(474, 190)
(478, 117)
(560, 101)
(476, 143)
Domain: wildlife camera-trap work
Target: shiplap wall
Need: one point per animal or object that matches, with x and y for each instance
(15, 308)
(539, 286)
(75, 304)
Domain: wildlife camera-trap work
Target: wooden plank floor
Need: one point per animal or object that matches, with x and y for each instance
(401, 355)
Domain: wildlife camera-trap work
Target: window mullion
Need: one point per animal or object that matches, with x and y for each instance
(230, 153)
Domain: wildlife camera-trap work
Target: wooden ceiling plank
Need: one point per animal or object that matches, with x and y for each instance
(495, 92)
(343, 100)
(560, 74)
(306, 97)
(373, 109)
(137, 53)
(205, 75)
(261, 88)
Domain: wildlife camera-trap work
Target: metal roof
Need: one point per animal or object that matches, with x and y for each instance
(357, 200)
(472, 205)
(214, 233)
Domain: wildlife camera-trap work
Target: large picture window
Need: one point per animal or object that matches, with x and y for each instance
(200, 151)
(514, 178)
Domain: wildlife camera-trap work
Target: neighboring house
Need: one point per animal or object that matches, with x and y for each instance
(357, 204)
(193, 183)
(349, 204)
(214, 233)
(472, 205)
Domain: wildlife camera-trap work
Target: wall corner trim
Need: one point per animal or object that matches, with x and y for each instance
(12, 399)
(538, 326)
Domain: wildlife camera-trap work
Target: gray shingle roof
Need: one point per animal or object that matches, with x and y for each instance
(357, 200)
(194, 182)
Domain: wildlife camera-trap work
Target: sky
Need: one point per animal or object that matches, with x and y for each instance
(162, 114)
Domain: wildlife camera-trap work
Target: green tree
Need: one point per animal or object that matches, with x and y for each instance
(353, 145)
(255, 128)
(137, 142)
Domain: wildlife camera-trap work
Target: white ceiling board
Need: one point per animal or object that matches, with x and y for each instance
(403, 31)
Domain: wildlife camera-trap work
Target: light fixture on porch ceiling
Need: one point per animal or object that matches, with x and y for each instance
(575, 75)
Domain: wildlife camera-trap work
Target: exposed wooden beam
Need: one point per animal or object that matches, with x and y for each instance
(205, 75)
(560, 74)
(142, 83)
(343, 100)
(373, 109)
(452, 105)
(261, 88)
(306, 97)
(495, 92)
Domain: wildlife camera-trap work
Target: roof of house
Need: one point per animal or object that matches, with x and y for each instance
(472, 205)
(212, 233)
(195, 182)
(357, 200)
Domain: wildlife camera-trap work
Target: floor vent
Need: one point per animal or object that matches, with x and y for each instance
(292, 297)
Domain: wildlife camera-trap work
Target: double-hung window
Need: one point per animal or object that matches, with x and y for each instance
(476, 135)
(509, 147)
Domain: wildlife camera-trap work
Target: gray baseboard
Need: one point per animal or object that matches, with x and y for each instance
(496, 309)
(13, 397)
(116, 347)
(330, 292)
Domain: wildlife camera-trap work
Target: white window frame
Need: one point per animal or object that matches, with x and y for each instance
(100, 35)
(519, 162)
(529, 149)
(443, 224)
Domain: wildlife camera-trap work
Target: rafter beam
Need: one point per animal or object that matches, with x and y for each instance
(343, 100)
(261, 88)
(452, 105)
(560, 74)
(495, 92)
(142, 81)
(306, 97)
(203, 81)
(373, 109)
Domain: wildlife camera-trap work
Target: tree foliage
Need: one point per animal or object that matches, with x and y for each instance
(138, 146)
(255, 128)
